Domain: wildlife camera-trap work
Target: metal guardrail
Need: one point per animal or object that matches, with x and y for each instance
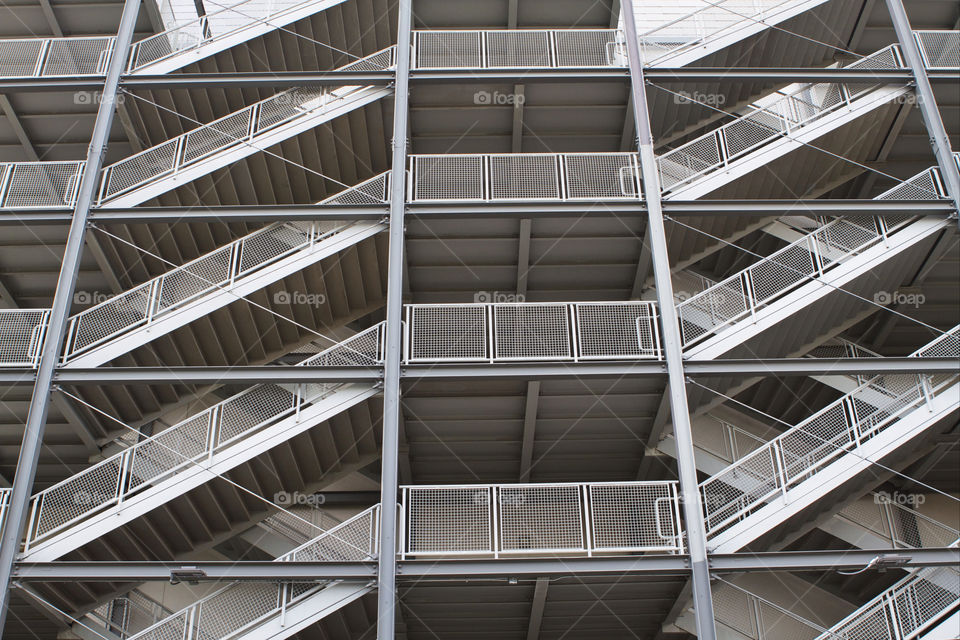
(798, 107)
(227, 612)
(801, 452)
(511, 332)
(46, 57)
(904, 610)
(21, 335)
(516, 49)
(523, 176)
(184, 444)
(529, 519)
(741, 295)
(220, 268)
(939, 49)
(39, 185)
(901, 526)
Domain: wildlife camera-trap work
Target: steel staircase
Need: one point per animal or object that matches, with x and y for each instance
(775, 126)
(677, 34)
(159, 469)
(271, 611)
(250, 130)
(859, 255)
(184, 43)
(763, 490)
(180, 296)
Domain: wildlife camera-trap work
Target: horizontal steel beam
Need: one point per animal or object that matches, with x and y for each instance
(510, 210)
(658, 75)
(275, 374)
(882, 559)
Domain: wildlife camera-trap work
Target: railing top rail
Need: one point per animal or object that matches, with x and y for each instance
(527, 485)
(22, 311)
(523, 155)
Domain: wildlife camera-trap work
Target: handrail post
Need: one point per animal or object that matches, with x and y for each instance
(35, 425)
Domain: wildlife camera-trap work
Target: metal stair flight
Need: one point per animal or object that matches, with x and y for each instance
(792, 472)
(741, 309)
(184, 43)
(270, 611)
(175, 162)
(159, 469)
(157, 307)
(677, 34)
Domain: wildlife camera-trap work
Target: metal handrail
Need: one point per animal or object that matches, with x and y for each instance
(515, 48)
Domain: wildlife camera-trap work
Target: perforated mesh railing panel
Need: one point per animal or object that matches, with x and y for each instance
(180, 285)
(372, 191)
(940, 49)
(365, 348)
(541, 517)
(532, 332)
(20, 57)
(448, 49)
(80, 494)
(584, 47)
(448, 520)
(21, 333)
(120, 313)
(620, 516)
(522, 177)
(137, 169)
(77, 57)
(622, 330)
(354, 540)
(249, 410)
(456, 333)
(485, 520)
(518, 49)
(448, 177)
(40, 185)
(590, 176)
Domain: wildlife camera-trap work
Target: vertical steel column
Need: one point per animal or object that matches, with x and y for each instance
(59, 313)
(927, 102)
(657, 240)
(387, 565)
